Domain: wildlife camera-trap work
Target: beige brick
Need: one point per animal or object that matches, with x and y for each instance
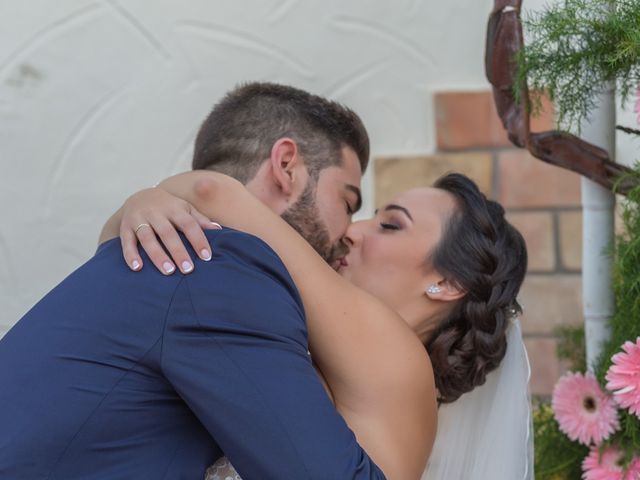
(545, 367)
(538, 232)
(570, 226)
(549, 301)
(525, 181)
(398, 174)
(467, 120)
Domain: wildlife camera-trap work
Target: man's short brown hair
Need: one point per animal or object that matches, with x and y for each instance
(239, 133)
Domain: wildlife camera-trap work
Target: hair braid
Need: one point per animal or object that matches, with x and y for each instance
(486, 257)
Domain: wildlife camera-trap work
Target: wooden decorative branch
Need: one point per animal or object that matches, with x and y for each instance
(504, 40)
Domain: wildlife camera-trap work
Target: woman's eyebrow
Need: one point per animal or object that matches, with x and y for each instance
(393, 206)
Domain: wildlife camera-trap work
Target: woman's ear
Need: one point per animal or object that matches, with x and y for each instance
(444, 291)
(286, 164)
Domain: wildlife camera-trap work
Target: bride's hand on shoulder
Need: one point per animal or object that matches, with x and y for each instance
(154, 217)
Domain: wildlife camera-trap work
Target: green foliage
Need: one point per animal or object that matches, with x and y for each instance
(576, 48)
(556, 457)
(571, 347)
(625, 324)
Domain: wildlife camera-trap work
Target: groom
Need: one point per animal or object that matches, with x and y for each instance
(116, 374)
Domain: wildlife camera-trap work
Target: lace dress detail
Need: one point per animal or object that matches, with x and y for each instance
(222, 470)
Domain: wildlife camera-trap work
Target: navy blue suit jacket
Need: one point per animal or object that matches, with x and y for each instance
(123, 375)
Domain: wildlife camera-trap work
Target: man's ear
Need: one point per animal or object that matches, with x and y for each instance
(286, 166)
(444, 291)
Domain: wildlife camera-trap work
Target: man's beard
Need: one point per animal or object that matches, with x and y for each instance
(304, 217)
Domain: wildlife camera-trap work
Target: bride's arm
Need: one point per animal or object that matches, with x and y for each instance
(376, 367)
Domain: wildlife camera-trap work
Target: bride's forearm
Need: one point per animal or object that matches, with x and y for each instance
(339, 315)
(227, 201)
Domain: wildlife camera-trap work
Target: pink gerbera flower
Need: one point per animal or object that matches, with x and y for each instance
(608, 466)
(584, 412)
(623, 377)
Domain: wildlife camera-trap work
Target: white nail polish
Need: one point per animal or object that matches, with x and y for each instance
(168, 268)
(216, 225)
(205, 254)
(135, 264)
(186, 267)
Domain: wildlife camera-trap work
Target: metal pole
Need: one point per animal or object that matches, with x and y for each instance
(598, 233)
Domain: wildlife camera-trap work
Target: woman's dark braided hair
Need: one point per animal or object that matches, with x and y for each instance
(486, 257)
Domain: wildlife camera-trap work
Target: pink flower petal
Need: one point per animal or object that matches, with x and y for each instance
(583, 411)
(606, 466)
(623, 377)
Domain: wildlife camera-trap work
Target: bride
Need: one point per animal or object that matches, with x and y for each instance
(446, 261)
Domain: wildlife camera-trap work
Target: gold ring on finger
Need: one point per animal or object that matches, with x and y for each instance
(140, 226)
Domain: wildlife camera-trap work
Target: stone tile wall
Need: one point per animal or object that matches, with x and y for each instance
(541, 200)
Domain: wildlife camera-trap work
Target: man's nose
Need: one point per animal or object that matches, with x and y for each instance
(353, 236)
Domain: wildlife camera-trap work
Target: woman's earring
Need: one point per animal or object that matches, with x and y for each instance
(433, 289)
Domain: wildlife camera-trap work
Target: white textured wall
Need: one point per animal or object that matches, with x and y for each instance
(100, 98)
(628, 146)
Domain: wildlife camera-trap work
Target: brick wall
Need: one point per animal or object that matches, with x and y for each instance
(541, 200)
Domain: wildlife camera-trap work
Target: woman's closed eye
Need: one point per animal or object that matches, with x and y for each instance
(389, 226)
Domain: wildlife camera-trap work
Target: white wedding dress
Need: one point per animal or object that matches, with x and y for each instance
(222, 470)
(485, 434)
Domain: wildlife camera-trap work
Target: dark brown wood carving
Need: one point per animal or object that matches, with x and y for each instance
(504, 39)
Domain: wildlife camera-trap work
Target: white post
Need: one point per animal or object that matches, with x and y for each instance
(598, 233)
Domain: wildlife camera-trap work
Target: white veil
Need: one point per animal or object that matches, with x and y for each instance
(487, 433)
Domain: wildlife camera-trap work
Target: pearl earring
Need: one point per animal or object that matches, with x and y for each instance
(433, 289)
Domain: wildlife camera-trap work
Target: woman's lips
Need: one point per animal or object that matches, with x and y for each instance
(341, 263)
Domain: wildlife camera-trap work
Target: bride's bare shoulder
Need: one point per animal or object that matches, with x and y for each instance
(393, 363)
(400, 342)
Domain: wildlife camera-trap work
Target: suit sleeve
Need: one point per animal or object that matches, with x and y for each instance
(235, 349)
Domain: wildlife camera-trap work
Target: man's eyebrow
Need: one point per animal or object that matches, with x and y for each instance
(393, 206)
(356, 190)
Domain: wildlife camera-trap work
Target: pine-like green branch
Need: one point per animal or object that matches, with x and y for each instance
(577, 50)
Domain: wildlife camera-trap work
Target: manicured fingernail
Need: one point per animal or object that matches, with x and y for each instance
(205, 254)
(168, 267)
(216, 225)
(186, 267)
(135, 264)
